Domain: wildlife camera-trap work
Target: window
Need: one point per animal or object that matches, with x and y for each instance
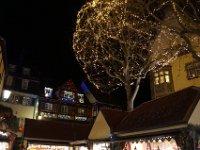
(48, 106)
(26, 101)
(81, 111)
(24, 84)
(26, 71)
(9, 81)
(193, 70)
(69, 94)
(162, 82)
(161, 77)
(12, 68)
(67, 109)
(81, 98)
(48, 92)
(64, 109)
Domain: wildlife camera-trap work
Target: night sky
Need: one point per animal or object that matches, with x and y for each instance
(39, 33)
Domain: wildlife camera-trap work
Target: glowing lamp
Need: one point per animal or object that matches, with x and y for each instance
(6, 94)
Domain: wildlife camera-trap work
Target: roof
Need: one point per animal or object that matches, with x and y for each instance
(113, 116)
(56, 131)
(170, 110)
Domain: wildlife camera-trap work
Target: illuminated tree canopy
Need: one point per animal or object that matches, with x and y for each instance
(182, 19)
(118, 41)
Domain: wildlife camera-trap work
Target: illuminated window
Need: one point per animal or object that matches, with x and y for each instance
(193, 70)
(48, 92)
(69, 94)
(81, 98)
(162, 82)
(161, 77)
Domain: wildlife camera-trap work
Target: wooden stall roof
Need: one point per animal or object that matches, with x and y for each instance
(55, 131)
(174, 109)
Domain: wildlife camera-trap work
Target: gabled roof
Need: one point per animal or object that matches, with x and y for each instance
(113, 117)
(105, 122)
(55, 131)
(174, 109)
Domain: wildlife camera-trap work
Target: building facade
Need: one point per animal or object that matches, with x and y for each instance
(3, 63)
(67, 103)
(20, 93)
(181, 73)
(64, 117)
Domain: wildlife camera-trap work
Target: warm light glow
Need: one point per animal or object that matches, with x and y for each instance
(3, 134)
(166, 144)
(47, 147)
(83, 148)
(4, 145)
(6, 94)
(101, 146)
(39, 117)
(118, 41)
(48, 92)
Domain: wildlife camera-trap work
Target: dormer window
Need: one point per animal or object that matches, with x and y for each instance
(48, 92)
(162, 82)
(69, 94)
(161, 77)
(81, 98)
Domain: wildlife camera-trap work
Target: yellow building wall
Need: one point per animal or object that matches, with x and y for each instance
(21, 111)
(2, 73)
(180, 75)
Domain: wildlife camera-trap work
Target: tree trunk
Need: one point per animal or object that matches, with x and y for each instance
(131, 94)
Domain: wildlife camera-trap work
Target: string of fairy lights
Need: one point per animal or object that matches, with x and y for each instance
(118, 41)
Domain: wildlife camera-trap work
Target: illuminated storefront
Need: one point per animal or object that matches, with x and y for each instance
(101, 146)
(4, 143)
(161, 143)
(46, 147)
(6, 140)
(53, 147)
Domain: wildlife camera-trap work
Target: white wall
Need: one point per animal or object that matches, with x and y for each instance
(195, 117)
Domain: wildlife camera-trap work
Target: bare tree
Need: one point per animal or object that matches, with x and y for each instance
(115, 44)
(182, 19)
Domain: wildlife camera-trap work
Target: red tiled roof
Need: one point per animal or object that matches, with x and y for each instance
(173, 109)
(53, 131)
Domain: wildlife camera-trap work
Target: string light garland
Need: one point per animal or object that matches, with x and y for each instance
(118, 41)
